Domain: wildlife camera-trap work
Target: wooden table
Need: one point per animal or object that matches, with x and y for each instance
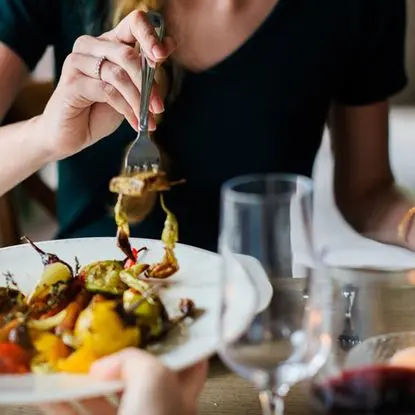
(227, 394)
(387, 301)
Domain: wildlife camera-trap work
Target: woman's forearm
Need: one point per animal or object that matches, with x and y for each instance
(381, 213)
(21, 152)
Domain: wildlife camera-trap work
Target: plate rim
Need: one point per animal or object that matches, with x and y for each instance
(92, 238)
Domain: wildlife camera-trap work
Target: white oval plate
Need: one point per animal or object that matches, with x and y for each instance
(198, 279)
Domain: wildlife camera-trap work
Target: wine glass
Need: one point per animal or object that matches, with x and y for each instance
(371, 367)
(278, 336)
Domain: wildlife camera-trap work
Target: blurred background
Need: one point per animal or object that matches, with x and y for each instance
(30, 208)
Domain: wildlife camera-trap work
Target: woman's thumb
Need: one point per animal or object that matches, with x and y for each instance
(193, 379)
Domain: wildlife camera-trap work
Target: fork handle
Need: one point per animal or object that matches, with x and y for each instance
(148, 72)
(349, 294)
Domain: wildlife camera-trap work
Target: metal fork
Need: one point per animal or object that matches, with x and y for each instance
(348, 338)
(143, 154)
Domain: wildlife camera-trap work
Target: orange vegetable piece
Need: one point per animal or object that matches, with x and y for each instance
(51, 347)
(79, 361)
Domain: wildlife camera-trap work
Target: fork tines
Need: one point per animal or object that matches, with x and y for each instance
(145, 167)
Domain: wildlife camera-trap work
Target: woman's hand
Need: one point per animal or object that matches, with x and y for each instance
(150, 388)
(89, 104)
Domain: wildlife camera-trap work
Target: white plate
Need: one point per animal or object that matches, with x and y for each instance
(198, 277)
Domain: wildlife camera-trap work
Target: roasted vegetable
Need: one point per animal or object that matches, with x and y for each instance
(169, 264)
(166, 268)
(187, 307)
(129, 263)
(11, 299)
(69, 321)
(123, 228)
(148, 307)
(130, 277)
(48, 323)
(137, 184)
(7, 328)
(170, 234)
(20, 335)
(55, 271)
(13, 359)
(138, 208)
(100, 328)
(50, 350)
(103, 277)
(72, 313)
(79, 361)
(150, 311)
(53, 275)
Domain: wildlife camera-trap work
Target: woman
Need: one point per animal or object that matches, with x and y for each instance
(249, 87)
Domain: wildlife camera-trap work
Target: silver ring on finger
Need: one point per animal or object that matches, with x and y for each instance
(113, 400)
(78, 408)
(98, 67)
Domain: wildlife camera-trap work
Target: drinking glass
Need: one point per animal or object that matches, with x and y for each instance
(371, 367)
(278, 334)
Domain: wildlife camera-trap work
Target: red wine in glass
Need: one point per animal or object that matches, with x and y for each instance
(373, 390)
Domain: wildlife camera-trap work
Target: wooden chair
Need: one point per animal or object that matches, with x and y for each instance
(30, 102)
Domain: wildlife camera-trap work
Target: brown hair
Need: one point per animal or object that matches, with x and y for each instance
(122, 8)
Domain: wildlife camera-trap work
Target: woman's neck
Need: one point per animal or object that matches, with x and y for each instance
(207, 31)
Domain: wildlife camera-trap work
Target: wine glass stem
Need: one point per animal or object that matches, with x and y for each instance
(271, 403)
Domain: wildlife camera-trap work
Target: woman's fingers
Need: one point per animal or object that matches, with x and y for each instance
(81, 82)
(111, 74)
(136, 28)
(123, 56)
(85, 407)
(192, 381)
(58, 408)
(81, 91)
(99, 406)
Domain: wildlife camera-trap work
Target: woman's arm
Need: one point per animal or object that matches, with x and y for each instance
(365, 190)
(85, 106)
(13, 74)
(21, 151)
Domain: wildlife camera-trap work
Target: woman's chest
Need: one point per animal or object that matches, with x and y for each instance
(265, 103)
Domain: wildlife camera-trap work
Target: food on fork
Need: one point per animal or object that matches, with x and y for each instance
(140, 183)
(73, 317)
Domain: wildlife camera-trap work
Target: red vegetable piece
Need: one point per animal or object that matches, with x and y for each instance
(13, 359)
(129, 263)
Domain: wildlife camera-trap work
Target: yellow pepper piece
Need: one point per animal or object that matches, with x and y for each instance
(51, 347)
(170, 234)
(145, 309)
(121, 218)
(148, 313)
(79, 361)
(100, 328)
